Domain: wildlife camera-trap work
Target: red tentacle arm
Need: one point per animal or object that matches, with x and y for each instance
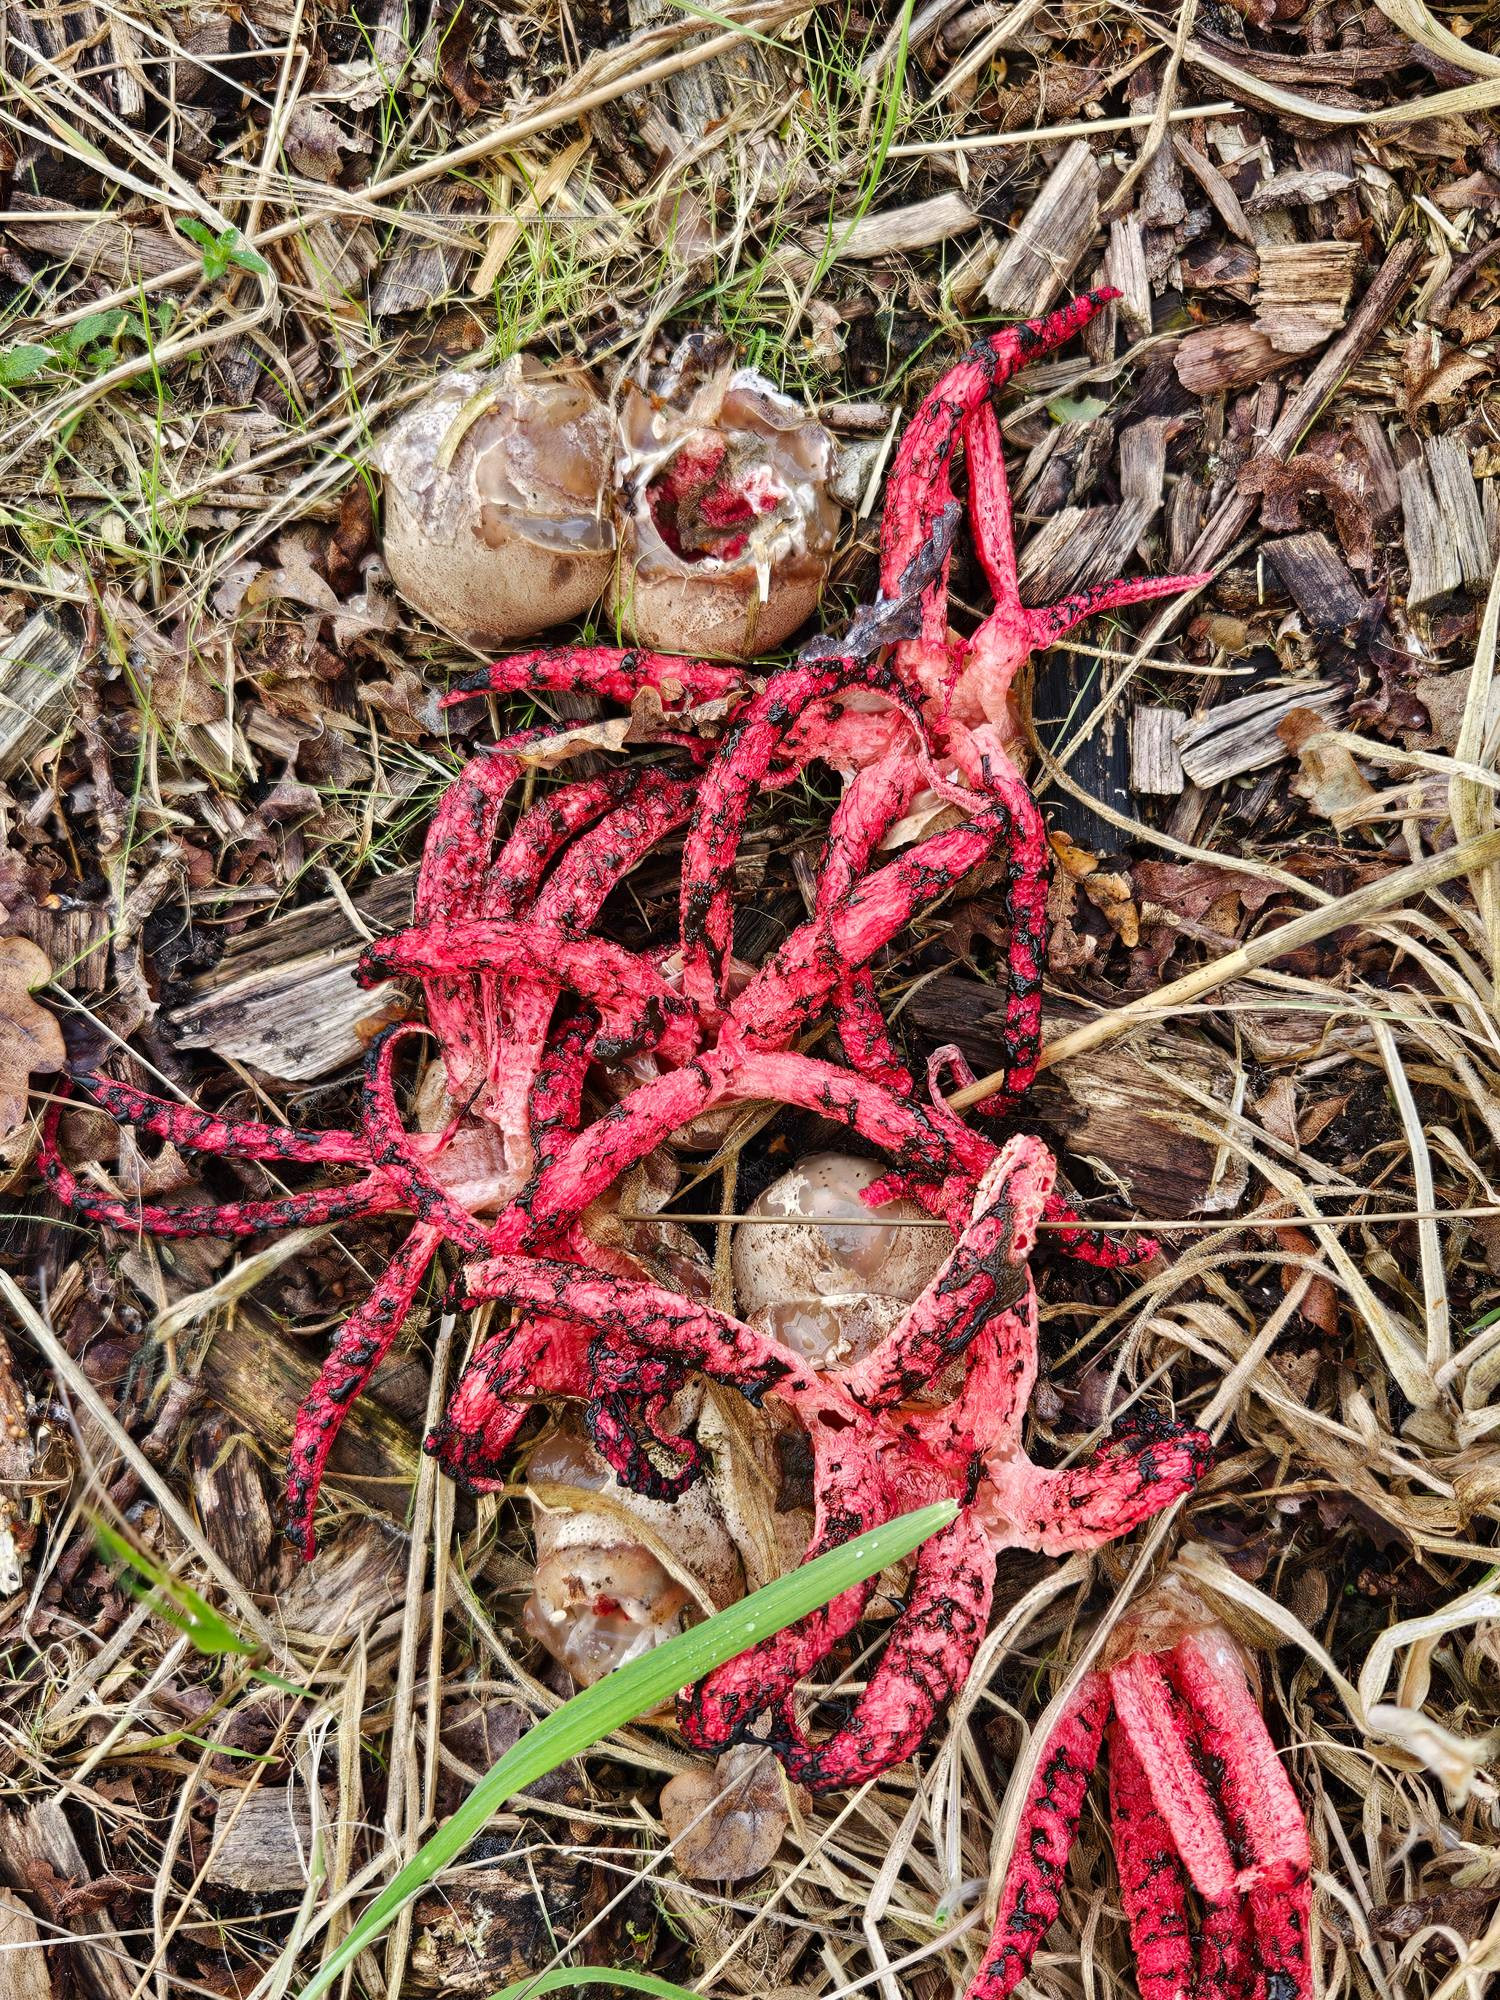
(1265, 1824)
(925, 1661)
(539, 1358)
(1032, 1891)
(1096, 1246)
(658, 803)
(363, 1342)
(612, 673)
(370, 1195)
(1153, 1882)
(872, 803)
(200, 1132)
(749, 749)
(983, 1278)
(940, 1170)
(637, 1008)
(1124, 1484)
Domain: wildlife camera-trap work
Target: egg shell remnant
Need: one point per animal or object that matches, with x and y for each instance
(727, 524)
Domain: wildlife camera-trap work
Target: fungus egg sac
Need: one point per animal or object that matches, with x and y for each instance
(602, 1594)
(727, 524)
(833, 1277)
(497, 518)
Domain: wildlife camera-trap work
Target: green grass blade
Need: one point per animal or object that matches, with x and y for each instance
(564, 1976)
(629, 1692)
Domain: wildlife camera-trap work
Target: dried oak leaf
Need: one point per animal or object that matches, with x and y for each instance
(1342, 481)
(726, 1822)
(30, 1038)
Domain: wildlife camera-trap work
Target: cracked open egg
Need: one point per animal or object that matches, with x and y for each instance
(618, 1574)
(727, 525)
(497, 511)
(823, 1273)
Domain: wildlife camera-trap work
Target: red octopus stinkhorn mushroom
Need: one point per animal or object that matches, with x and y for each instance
(1198, 1802)
(524, 997)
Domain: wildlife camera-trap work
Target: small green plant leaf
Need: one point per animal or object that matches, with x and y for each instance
(564, 1976)
(92, 328)
(222, 250)
(169, 1598)
(19, 364)
(627, 1693)
(240, 253)
(1076, 409)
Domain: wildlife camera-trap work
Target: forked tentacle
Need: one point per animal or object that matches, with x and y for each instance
(395, 1154)
(372, 1194)
(1267, 1828)
(363, 1342)
(1031, 1894)
(655, 804)
(1129, 1480)
(637, 1008)
(200, 1132)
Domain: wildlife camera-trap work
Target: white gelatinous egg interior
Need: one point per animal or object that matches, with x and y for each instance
(829, 1276)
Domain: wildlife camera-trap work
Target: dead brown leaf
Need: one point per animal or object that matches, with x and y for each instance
(30, 1038)
(1329, 779)
(726, 1822)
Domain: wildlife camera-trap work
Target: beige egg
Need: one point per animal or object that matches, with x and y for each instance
(618, 1574)
(727, 525)
(831, 1277)
(497, 514)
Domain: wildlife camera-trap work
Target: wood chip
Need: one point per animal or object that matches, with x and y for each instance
(1232, 356)
(255, 1374)
(118, 251)
(1080, 546)
(1125, 269)
(262, 1841)
(424, 269)
(40, 1856)
(1242, 735)
(891, 232)
(1143, 462)
(1319, 581)
(1457, 495)
(1384, 493)
(1155, 761)
(1304, 291)
(1214, 185)
(285, 1000)
(1057, 229)
(37, 668)
(231, 1498)
(23, 1962)
(351, 1585)
(1446, 541)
